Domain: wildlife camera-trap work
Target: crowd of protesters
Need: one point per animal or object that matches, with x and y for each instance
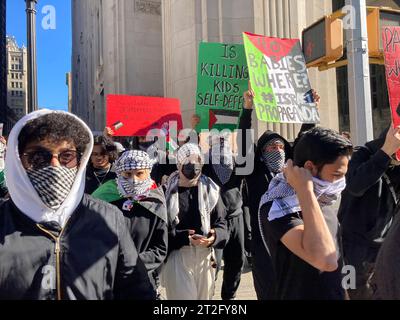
(85, 217)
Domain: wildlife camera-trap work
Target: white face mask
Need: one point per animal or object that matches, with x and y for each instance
(328, 192)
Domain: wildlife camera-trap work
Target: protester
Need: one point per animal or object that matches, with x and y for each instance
(385, 282)
(221, 169)
(143, 205)
(301, 237)
(271, 153)
(55, 241)
(99, 170)
(368, 205)
(196, 217)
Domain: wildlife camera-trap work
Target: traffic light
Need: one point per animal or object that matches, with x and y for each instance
(323, 41)
(376, 19)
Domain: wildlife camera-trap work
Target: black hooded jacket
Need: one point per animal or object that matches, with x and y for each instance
(94, 257)
(258, 181)
(369, 200)
(147, 222)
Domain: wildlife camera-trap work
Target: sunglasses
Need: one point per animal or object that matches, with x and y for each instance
(42, 158)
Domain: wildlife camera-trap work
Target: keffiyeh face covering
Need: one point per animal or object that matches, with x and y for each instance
(53, 184)
(274, 160)
(133, 188)
(133, 160)
(285, 199)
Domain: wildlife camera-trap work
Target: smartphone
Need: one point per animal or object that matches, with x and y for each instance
(198, 236)
(117, 125)
(309, 97)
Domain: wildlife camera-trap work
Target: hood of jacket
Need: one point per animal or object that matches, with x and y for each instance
(264, 139)
(21, 189)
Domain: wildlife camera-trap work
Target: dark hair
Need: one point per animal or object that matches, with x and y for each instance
(55, 127)
(321, 146)
(108, 147)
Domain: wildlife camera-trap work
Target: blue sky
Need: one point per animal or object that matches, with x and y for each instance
(53, 49)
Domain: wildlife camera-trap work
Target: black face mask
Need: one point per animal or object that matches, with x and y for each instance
(191, 170)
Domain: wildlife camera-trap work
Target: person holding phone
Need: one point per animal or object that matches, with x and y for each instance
(197, 225)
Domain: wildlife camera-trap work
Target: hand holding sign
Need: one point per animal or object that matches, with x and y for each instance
(392, 141)
(249, 98)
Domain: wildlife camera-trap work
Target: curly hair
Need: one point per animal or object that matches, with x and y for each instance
(107, 146)
(54, 127)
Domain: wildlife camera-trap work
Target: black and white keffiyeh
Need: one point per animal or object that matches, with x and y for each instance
(130, 188)
(186, 151)
(274, 160)
(208, 195)
(285, 201)
(132, 160)
(53, 184)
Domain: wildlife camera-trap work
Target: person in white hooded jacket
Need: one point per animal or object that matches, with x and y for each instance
(55, 241)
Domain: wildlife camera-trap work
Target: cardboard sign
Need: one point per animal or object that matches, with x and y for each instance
(136, 115)
(279, 79)
(391, 48)
(222, 77)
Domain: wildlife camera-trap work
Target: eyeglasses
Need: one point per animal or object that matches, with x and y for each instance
(42, 158)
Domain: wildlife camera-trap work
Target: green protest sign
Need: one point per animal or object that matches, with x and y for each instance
(279, 79)
(222, 77)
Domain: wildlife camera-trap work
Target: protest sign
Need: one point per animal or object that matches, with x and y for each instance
(279, 79)
(222, 77)
(136, 115)
(391, 49)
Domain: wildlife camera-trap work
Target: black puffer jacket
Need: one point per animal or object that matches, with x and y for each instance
(147, 223)
(93, 257)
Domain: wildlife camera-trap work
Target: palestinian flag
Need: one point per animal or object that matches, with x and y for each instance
(220, 118)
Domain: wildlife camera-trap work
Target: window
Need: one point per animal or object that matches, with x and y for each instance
(20, 85)
(12, 93)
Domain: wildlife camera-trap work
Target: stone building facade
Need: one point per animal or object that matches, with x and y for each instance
(150, 47)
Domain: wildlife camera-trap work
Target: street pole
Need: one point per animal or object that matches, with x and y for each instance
(32, 67)
(361, 126)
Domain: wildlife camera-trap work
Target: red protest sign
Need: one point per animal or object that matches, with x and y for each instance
(136, 115)
(391, 48)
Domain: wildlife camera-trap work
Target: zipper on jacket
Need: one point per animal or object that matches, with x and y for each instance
(57, 251)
